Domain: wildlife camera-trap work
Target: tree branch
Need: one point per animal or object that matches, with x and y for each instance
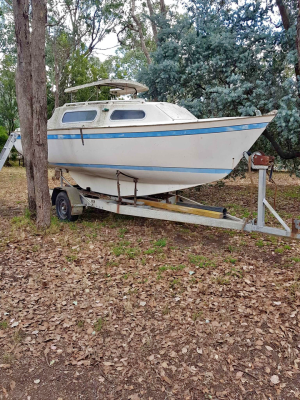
(284, 14)
(283, 154)
(151, 13)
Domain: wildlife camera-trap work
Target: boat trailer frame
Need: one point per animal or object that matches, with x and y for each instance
(169, 207)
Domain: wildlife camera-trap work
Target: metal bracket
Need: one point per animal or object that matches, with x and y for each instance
(135, 180)
(81, 134)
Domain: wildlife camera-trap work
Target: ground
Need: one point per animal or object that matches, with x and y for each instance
(110, 307)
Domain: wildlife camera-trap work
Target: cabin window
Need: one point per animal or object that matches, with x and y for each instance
(79, 116)
(127, 114)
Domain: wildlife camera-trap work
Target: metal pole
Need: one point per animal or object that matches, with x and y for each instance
(61, 178)
(135, 190)
(261, 197)
(118, 186)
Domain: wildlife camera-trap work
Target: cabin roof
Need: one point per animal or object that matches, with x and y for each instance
(119, 86)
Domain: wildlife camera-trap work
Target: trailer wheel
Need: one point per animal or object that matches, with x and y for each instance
(63, 208)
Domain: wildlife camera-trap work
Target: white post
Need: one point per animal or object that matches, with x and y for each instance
(261, 197)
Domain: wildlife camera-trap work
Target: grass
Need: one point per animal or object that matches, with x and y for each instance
(293, 193)
(293, 289)
(259, 243)
(279, 250)
(236, 273)
(166, 311)
(71, 258)
(35, 248)
(231, 260)
(80, 323)
(201, 261)
(3, 324)
(197, 315)
(150, 251)
(132, 252)
(122, 248)
(296, 259)
(160, 243)
(174, 283)
(122, 232)
(221, 280)
(171, 268)
(8, 358)
(98, 325)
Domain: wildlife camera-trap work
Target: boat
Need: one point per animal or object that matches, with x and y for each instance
(115, 147)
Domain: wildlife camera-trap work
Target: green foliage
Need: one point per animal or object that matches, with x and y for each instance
(229, 61)
(201, 261)
(3, 137)
(79, 70)
(8, 100)
(3, 324)
(160, 243)
(126, 64)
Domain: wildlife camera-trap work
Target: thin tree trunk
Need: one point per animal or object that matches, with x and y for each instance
(151, 13)
(285, 18)
(297, 66)
(140, 31)
(56, 70)
(24, 92)
(284, 14)
(163, 8)
(39, 20)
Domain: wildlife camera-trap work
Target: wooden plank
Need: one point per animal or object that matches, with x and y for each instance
(187, 210)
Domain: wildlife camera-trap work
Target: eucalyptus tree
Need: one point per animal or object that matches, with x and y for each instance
(32, 102)
(230, 61)
(75, 29)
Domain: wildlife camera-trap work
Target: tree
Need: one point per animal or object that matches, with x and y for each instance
(79, 70)
(8, 100)
(229, 61)
(74, 30)
(32, 103)
(3, 137)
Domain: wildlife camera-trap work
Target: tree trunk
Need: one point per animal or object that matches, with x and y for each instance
(151, 13)
(39, 19)
(140, 31)
(285, 18)
(24, 92)
(56, 70)
(297, 67)
(163, 8)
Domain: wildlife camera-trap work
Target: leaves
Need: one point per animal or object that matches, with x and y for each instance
(274, 379)
(226, 339)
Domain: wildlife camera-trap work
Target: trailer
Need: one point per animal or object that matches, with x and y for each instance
(70, 202)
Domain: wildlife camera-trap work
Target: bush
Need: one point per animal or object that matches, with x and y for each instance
(3, 137)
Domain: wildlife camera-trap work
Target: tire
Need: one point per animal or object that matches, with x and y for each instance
(63, 208)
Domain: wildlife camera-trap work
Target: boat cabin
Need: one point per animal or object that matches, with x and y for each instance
(116, 112)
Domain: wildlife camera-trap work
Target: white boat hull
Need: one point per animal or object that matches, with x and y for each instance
(164, 157)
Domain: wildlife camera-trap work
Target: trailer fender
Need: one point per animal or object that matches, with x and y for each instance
(74, 197)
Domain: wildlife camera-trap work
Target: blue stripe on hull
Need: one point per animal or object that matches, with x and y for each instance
(203, 131)
(144, 168)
